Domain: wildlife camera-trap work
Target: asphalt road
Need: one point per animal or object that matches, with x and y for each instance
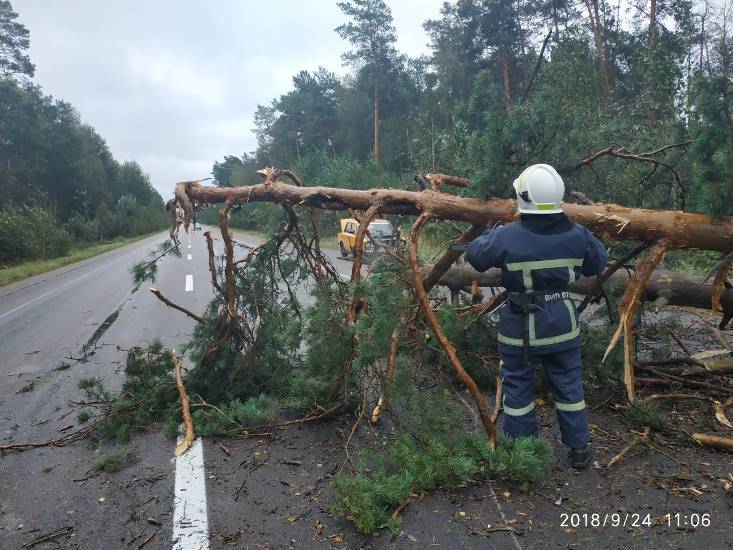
(55, 318)
(269, 492)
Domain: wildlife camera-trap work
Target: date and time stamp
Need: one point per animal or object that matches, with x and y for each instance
(677, 520)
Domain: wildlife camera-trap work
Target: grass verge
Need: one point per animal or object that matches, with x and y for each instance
(28, 269)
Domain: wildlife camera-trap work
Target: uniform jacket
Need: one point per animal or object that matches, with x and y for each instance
(540, 253)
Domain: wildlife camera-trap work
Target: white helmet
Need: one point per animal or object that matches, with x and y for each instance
(539, 190)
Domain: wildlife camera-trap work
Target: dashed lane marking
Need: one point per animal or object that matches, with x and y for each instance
(189, 283)
(190, 523)
(188, 256)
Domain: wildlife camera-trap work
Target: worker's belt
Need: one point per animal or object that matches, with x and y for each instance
(525, 303)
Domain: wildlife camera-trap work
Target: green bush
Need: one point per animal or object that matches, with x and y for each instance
(31, 232)
(81, 228)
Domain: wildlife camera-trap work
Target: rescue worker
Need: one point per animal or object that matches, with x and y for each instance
(540, 256)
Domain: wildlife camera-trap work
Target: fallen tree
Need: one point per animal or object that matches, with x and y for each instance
(609, 221)
(382, 343)
(661, 230)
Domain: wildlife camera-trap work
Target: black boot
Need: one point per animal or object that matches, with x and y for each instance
(580, 458)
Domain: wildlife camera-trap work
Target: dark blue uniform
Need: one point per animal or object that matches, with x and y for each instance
(541, 255)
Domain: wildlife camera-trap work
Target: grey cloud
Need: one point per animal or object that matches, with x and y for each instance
(174, 84)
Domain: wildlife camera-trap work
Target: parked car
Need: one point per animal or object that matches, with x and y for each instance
(382, 234)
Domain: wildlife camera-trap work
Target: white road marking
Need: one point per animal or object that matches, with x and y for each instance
(190, 523)
(189, 283)
(503, 517)
(189, 245)
(188, 256)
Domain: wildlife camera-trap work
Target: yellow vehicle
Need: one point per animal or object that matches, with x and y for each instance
(381, 231)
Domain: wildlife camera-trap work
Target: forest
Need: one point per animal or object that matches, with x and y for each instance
(509, 84)
(61, 185)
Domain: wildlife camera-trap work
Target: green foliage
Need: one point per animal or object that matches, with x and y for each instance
(427, 454)
(148, 394)
(328, 348)
(83, 416)
(476, 337)
(235, 416)
(248, 362)
(696, 262)
(389, 294)
(147, 270)
(114, 462)
(484, 104)
(648, 413)
(59, 180)
(595, 341)
(81, 228)
(409, 468)
(15, 40)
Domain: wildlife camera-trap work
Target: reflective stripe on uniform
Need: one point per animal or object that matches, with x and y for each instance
(511, 411)
(571, 312)
(527, 267)
(545, 264)
(570, 407)
(540, 341)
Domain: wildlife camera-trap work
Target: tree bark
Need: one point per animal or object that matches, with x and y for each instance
(188, 436)
(713, 441)
(377, 123)
(627, 307)
(663, 288)
(505, 79)
(652, 25)
(597, 30)
(610, 222)
(651, 49)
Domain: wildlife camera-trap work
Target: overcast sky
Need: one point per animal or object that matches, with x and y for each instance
(173, 84)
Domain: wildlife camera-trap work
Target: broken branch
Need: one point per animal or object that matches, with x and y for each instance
(638, 439)
(627, 307)
(188, 436)
(446, 344)
(173, 305)
(713, 441)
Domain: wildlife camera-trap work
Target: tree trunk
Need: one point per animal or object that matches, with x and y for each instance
(664, 287)
(377, 123)
(610, 222)
(505, 79)
(432, 141)
(652, 25)
(596, 29)
(651, 49)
